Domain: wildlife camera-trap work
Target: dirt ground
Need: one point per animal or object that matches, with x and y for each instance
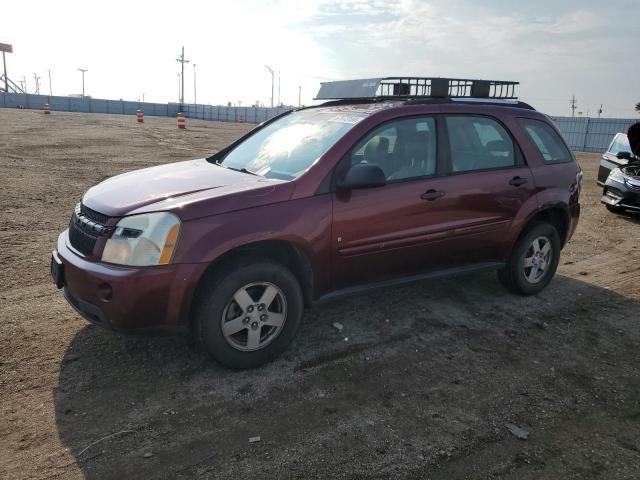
(421, 383)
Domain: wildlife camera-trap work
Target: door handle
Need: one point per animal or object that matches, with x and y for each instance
(517, 181)
(431, 195)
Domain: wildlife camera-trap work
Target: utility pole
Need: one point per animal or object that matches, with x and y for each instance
(182, 61)
(50, 91)
(195, 99)
(279, 102)
(23, 84)
(271, 72)
(179, 84)
(600, 111)
(37, 79)
(574, 105)
(299, 96)
(83, 70)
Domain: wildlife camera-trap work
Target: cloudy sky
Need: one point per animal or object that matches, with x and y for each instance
(554, 48)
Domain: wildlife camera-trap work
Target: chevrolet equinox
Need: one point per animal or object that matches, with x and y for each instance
(390, 180)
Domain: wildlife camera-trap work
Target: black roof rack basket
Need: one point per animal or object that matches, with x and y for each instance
(417, 87)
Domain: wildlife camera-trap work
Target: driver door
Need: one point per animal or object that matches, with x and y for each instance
(393, 230)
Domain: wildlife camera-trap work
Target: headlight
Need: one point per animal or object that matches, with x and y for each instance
(616, 175)
(143, 240)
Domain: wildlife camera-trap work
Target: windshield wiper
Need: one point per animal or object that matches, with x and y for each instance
(243, 170)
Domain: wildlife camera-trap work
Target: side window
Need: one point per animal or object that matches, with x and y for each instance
(478, 143)
(402, 148)
(549, 143)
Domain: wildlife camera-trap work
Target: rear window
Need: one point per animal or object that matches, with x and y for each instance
(549, 143)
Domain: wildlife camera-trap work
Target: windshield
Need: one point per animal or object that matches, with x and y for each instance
(287, 148)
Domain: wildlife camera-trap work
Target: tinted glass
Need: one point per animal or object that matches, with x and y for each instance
(478, 143)
(287, 148)
(620, 144)
(402, 148)
(549, 143)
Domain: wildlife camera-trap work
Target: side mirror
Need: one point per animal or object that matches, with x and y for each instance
(623, 155)
(363, 175)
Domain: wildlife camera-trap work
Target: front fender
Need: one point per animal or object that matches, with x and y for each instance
(305, 223)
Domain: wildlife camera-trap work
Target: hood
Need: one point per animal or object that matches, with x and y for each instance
(634, 139)
(183, 186)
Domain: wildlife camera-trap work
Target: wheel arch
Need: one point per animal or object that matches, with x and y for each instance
(556, 215)
(284, 252)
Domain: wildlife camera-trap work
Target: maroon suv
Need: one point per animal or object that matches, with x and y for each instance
(394, 180)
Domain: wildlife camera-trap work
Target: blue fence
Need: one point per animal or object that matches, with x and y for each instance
(123, 107)
(232, 114)
(88, 105)
(585, 134)
(581, 133)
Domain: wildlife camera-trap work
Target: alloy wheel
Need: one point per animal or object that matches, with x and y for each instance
(537, 259)
(254, 316)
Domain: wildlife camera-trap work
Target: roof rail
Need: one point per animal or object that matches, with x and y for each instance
(417, 87)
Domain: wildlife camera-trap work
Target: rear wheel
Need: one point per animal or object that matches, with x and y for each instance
(249, 313)
(534, 260)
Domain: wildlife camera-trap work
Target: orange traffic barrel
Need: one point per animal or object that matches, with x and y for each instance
(140, 115)
(241, 119)
(181, 120)
(47, 109)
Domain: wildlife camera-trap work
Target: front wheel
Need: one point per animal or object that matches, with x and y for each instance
(249, 313)
(533, 262)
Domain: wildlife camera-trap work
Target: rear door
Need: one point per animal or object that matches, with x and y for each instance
(487, 184)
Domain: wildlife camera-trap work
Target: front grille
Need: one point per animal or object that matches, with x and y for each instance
(81, 241)
(93, 215)
(85, 227)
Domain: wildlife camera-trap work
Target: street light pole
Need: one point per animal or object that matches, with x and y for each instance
(279, 102)
(194, 85)
(272, 79)
(299, 96)
(50, 90)
(83, 70)
(6, 79)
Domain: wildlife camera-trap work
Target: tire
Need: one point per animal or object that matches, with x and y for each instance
(523, 280)
(235, 344)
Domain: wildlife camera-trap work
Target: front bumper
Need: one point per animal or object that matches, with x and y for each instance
(129, 299)
(621, 195)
